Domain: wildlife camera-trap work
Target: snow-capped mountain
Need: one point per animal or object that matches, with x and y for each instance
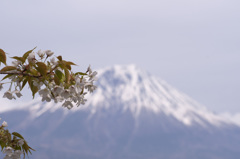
(131, 115)
(137, 90)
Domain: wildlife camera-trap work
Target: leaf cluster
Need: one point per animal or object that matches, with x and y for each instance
(40, 70)
(8, 139)
(55, 74)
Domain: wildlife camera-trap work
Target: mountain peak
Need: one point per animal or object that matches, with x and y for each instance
(131, 88)
(128, 73)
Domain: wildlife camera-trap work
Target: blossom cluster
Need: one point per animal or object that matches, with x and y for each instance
(73, 94)
(4, 124)
(52, 79)
(10, 152)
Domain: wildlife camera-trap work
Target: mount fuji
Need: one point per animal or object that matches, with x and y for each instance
(131, 115)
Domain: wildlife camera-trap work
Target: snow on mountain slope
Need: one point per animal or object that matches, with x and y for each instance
(136, 90)
(139, 90)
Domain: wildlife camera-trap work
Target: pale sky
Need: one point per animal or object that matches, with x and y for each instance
(191, 44)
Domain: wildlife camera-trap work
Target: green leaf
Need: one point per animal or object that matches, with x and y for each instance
(18, 58)
(34, 72)
(25, 148)
(67, 75)
(3, 58)
(80, 73)
(70, 63)
(66, 64)
(60, 75)
(33, 88)
(3, 144)
(31, 149)
(56, 80)
(9, 136)
(27, 54)
(5, 77)
(59, 58)
(18, 135)
(8, 68)
(24, 83)
(68, 67)
(42, 68)
(82, 91)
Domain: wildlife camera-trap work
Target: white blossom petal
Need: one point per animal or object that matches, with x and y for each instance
(46, 98)
(65, 94)
(18, 93)
(41, 54)
(89, 69)
(49, 53)
(4, 124)
(21, 142)
(92, 75)
(9, 95)
(8, 151)
(67, 104)
(16, 154)
(72, 90)
(16, 63)
(57, 90)
(53, 61)
(44, 92)
(31, 57)
(58, 99)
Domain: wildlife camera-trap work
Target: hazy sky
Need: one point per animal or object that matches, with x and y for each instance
(192, 44)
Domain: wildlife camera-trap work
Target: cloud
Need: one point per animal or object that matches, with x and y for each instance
(8, 105)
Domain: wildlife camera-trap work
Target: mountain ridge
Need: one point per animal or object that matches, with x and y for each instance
(136, 90)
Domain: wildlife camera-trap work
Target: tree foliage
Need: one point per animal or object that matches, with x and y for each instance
(51, 77)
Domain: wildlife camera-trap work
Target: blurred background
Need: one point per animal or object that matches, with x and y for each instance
(192, 44)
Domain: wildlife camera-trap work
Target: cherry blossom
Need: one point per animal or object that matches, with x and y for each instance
(92, 75)
(16, 154)
(45, 94)
(31, 57)
(65, 94)
(41, 54)
(4, 124)
(49, 53)
(21, 142)
(9, 95)
(53, 61)
(16, 63)
(8, 151)
(67, 104)
(58, 90)
(90, 87)
(18, 93)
